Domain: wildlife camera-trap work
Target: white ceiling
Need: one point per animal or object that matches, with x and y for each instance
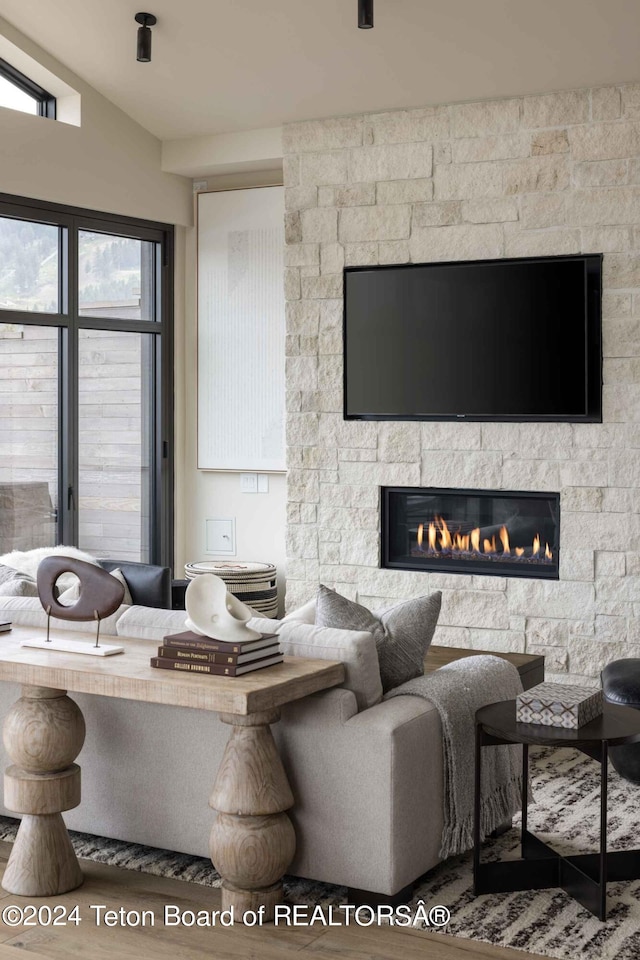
(228, 65)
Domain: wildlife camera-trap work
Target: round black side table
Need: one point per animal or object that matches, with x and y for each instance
(585, 876)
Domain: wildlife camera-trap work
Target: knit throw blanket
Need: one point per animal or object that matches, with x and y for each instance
(457, 690)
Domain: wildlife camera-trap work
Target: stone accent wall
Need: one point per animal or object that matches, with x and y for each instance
(541, 175)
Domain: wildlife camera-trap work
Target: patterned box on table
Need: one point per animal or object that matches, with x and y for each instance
(559, 705)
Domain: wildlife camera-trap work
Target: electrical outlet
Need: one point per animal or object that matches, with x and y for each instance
(221, 536)
(248, 483)
(263, 483)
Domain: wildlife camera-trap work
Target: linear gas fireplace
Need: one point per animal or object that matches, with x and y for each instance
(498, 533)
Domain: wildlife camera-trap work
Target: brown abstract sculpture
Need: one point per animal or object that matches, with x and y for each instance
(100, 595)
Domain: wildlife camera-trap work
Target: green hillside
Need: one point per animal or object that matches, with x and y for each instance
(109, 267)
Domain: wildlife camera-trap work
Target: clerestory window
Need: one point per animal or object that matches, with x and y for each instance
(19, 92)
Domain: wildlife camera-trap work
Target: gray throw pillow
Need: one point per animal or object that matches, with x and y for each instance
(402, 633)
(16, 584)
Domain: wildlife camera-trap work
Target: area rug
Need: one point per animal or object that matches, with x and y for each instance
(548, 922)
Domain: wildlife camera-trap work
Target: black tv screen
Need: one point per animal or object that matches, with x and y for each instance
(481, 340)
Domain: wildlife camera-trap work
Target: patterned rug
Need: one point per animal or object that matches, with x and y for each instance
(547, 922)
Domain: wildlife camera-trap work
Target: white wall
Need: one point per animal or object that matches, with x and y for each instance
(107, 163)
(260, 518)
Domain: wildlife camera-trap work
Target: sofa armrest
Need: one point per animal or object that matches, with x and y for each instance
(368, 789)
(333, 707)
(386, 717)
(339, 706)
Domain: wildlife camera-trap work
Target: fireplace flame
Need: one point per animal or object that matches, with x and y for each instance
(442, 540)
(461, 542)
(504, 540)
(432, 537)
(445, 535)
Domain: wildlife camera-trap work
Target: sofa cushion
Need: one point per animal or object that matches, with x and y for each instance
(355, 649)
(150, 623)
(402, 633)
(28, 612)
(15, 584)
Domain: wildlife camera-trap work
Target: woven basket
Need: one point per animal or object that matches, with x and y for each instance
(252, 582)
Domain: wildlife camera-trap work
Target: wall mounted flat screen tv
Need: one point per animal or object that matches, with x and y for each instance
(477, 340)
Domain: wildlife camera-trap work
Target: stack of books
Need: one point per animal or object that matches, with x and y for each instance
(194, 653)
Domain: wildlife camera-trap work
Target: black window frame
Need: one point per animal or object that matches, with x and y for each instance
(45, 100)
(71, 221)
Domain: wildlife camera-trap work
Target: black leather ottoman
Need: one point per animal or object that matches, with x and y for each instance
(621, 684)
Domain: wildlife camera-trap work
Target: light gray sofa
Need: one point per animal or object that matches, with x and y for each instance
(366, 775)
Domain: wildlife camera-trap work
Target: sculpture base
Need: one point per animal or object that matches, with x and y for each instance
(74, 646)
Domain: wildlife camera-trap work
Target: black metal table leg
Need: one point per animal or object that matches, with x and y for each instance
(525, 795)
(584, 876)
(604, 777)
(477, 807)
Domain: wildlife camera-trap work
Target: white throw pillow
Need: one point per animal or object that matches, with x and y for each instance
(304, 614)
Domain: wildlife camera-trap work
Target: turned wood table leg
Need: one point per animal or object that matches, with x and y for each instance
(252, 839)
(43, 734)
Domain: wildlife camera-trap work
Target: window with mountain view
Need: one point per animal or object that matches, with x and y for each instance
(85, 398)
(29, 266)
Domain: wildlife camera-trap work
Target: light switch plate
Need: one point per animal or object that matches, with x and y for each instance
(221, 536)
(263, 483)
(248, 483)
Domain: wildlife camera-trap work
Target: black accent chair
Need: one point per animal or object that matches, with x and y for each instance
(149, 586)
(621, 685)
(178, 591)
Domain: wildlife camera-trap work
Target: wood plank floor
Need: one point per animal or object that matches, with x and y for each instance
(115, 888)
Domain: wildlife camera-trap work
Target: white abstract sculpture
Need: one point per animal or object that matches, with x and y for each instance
(214, 612)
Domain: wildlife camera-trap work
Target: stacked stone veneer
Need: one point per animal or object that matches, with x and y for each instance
(544, 175)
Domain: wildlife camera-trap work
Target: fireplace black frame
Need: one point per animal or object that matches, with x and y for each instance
(528, 571)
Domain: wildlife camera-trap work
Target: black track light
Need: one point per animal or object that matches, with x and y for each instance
(146, 20)
(365, 14)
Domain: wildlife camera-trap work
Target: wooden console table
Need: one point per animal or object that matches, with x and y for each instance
(252, 839)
